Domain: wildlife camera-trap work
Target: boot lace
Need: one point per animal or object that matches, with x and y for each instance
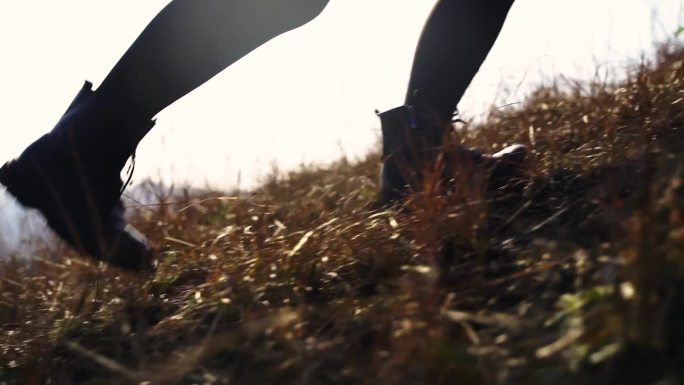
(129, 173)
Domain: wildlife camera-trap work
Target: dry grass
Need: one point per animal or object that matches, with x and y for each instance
(575, 275)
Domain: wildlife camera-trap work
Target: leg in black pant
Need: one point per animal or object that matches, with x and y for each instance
(455, 42)
(72, 173)
(191, 41)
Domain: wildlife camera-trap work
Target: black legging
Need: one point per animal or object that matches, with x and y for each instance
(455, 42)
(190, 41)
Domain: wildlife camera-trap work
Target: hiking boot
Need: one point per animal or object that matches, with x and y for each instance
(412, 147)
(72, 176)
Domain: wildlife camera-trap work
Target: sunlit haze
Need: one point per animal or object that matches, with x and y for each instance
(308, 95)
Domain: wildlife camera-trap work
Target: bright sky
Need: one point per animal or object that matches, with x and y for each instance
(307, 96)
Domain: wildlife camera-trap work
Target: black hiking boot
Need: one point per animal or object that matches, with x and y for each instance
(72, 176)
(413, 145)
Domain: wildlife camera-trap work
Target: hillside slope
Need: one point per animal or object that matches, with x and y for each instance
(571, 275)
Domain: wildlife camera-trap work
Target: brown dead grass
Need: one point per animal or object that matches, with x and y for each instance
(575, 275)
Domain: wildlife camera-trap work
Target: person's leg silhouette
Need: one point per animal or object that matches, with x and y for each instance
(72, 174)
(455, 42)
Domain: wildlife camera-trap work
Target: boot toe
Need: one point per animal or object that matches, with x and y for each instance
(515, 153)
(508, 166)
(130, 250)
